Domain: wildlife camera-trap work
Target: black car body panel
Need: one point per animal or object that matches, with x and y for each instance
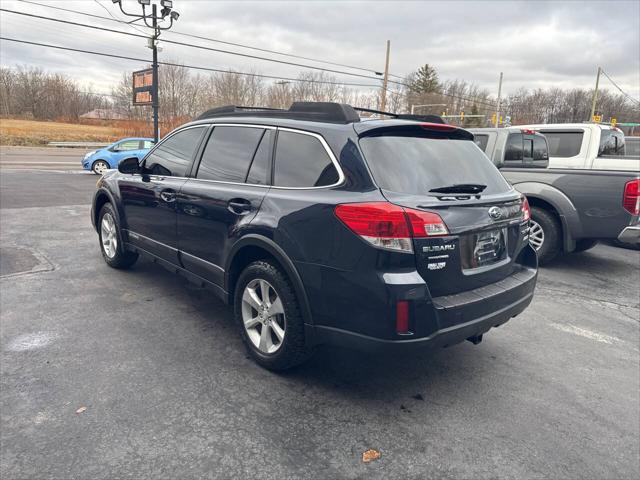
(349, 290)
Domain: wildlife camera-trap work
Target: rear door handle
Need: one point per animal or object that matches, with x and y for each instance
(168, 195)
(239, 206)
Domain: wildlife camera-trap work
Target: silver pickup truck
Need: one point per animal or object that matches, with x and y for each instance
(571, 209)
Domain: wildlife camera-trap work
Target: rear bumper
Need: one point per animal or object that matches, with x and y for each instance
(630, 235)
(441, 338)
(459, 317)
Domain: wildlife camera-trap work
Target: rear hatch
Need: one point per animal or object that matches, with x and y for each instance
(426, 167)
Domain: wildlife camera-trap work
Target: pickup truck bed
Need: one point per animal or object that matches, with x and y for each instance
(587, 204)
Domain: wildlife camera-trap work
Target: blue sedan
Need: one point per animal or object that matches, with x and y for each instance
(99, 161)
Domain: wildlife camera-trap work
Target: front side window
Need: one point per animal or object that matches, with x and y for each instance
(228, 153)
(173, 156)
(563, 144)
(302, 161)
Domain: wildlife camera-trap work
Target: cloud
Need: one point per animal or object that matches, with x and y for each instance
(535, 44)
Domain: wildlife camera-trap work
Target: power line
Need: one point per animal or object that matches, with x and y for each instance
(194, 67)
(621, 91)
(209, 39)
(110, 14)
(68, 22)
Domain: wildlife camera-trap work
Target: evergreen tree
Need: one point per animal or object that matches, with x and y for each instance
(426, 80)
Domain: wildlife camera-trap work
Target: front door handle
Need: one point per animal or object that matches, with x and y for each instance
(239, 206)
(168, 195)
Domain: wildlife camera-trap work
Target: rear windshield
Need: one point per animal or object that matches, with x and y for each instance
(481, 141)
(415, 165)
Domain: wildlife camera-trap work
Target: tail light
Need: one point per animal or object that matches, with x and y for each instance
(526, 210)
(631, 198)
(389, 226)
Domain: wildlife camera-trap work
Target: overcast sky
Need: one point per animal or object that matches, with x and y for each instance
(535, 44)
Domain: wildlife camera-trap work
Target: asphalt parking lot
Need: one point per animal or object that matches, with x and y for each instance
(165, 390)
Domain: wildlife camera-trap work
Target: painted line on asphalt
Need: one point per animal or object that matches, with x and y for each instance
(582, 332)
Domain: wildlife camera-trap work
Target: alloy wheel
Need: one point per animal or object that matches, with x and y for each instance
(263, 316)
(108, 235)
(536, 235)
(100, 167)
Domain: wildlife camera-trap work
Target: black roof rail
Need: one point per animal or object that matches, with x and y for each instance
(404, 116)
(312, 111)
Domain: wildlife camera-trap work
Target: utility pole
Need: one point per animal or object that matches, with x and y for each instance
(498, 104)
(595, 96)
(154, 87)
(383, 97)
(167, 11)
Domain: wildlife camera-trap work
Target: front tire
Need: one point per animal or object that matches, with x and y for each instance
(545, 234)
(267, 312)
(110, 245)
(99, 167)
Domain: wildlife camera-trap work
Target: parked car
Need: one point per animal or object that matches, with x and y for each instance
(321, 228)
(99, 161)
(571, 209)
(587, 146)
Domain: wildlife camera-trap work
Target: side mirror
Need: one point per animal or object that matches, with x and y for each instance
(129, 165)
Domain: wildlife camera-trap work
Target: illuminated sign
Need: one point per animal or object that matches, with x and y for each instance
(143, 87)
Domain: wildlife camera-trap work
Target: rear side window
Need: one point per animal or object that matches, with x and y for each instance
(128, 145)
(540, 151)
(173, 156)
(228, 153)
(611, 143)
(563, 144)
(259, 168)
(302, 161)
(481, 141)
(513, 151)
(147, 144)
(415, 165)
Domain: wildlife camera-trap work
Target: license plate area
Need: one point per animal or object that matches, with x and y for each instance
(483, 249)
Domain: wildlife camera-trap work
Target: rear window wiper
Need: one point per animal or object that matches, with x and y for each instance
(460, 188)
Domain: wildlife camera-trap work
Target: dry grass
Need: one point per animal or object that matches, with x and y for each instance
(33, 133)
(37, 133)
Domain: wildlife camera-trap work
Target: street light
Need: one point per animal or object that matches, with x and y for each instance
(167, 6)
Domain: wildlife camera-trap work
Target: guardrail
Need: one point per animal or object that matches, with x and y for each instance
(77, 144)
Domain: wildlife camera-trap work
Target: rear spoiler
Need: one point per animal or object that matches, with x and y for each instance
(404, 116)
(422, 129)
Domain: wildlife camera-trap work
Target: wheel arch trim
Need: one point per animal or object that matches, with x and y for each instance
(563, 206)
(271, 247)
(95, 212)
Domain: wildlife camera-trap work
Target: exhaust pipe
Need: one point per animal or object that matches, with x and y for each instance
(476, 339)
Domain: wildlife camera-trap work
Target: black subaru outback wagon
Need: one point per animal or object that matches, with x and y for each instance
(319, 227)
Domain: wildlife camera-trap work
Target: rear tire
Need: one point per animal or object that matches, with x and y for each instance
(585, 244)
(545, 234)
(264, 289)
(110, 240)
